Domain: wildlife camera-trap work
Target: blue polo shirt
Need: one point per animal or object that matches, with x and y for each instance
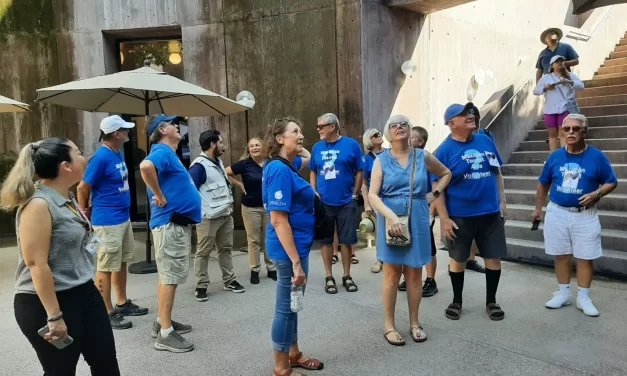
(562, 49)
(574, 175)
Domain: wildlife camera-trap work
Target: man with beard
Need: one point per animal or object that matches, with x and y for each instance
(216, 229)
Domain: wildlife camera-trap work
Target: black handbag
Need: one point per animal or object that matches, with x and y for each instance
(324, 227)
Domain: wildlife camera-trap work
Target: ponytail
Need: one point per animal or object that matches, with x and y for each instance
(19, 185)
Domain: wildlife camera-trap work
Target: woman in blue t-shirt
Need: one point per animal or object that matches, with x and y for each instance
(578, 175)
(289, 201)
(250, 168)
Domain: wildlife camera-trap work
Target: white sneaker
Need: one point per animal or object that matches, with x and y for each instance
(558, 301)
(585, 304)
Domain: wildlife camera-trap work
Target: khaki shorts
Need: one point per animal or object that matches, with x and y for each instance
(117, 246)
(173, 245)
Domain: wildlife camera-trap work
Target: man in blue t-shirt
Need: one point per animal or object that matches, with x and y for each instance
(578, 175)
(473, 209)
(336, 175)
(551, 37)
(106, 181)
(175, 207)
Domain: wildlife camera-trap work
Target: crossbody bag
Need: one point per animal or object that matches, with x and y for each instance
(405, 240)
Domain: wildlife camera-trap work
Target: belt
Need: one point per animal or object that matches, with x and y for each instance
(573, 210)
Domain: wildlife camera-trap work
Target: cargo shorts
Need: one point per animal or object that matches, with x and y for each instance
(173, 245)
(117, 246)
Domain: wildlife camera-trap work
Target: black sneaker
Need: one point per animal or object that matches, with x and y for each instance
(402, 286)
(475, 266)
(118, 322)
(201, 295)
(430, 288)
(130, 309)
(235, 287)
(254, 278)
(272, 275)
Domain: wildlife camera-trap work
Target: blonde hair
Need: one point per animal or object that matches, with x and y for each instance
(246, 154)
(36, 160)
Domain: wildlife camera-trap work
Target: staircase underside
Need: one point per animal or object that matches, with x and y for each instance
(425, 6)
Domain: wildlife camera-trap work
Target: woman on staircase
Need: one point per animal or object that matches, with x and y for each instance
(558, 88)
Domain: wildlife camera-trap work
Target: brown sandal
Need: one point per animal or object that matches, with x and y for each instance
(398, 342)
(418, 334)
(310, 364)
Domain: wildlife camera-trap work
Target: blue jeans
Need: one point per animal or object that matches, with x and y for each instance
(285, 323)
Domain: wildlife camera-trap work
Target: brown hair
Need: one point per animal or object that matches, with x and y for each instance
(271, 147)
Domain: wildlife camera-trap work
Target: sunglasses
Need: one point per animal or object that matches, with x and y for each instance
(320, 126)
(402, 124)
(376, 135)
(575, 129)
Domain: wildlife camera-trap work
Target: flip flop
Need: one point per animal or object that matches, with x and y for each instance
(398, 342)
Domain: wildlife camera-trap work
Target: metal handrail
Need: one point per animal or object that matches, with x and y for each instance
(524, 83)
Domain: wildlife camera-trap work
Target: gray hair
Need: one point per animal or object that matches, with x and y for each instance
(395, 119)
(367, 138)
(583, 121)
(330, 118)
(156, 135)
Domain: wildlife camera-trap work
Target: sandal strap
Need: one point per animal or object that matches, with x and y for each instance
(327, 279)
(296, 356)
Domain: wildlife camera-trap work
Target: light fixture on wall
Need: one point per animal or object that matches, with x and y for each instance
(409, 67)
(175, 58)
(246, 98)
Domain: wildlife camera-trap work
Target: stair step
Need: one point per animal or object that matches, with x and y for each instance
(620, 48)
(615, 109)
(596, 81)
(601, 91)
(622, 42)
(618, 55)
(612, 69)
(612, 264)
(593, 132)
(610, 239)
(615, 156)
(606, 100)
(614, 62)
(610, 220)
(609, 75)
(535, 169)
(601, 143)
(598, 121)
(612, 202)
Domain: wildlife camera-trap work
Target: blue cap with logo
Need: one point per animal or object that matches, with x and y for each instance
(456, 110)
(159, 119)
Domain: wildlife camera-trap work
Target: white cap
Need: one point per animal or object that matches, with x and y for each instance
(555, 58)
(113, 123)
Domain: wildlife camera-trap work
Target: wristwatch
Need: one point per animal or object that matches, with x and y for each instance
(598, 192)
(355, 197)
(436, 193)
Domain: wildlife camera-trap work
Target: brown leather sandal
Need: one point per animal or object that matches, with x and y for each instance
(310, 364)
(418, 334)
(399, 339)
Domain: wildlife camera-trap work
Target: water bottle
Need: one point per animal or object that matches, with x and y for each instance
(296, 298)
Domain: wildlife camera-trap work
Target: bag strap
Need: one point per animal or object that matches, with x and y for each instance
(411, 180)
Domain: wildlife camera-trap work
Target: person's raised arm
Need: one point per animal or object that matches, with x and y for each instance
(435, 167)
(305, 156)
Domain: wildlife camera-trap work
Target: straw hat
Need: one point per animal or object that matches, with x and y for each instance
(551, 30)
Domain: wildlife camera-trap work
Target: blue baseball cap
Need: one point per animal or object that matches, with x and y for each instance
(456, 110)
(159, 119)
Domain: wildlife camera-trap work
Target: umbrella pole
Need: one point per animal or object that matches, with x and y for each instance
(147, 266)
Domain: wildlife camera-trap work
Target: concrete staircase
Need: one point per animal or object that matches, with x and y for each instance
(604, 102)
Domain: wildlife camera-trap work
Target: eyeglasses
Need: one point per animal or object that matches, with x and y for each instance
(320, 126)
(376, 135)
(575, 129)
(402, 124)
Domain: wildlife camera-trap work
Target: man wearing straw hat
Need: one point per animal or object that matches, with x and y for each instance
(551, 38)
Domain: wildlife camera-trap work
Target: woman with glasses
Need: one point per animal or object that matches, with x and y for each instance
(393, 194)
(56, 297)
(373, 143)
(578, 176)
(558, 88)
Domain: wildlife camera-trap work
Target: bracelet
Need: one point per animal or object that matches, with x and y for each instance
(55, 318)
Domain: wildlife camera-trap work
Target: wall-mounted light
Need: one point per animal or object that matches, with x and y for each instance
(246, 98)
(409, 68)
(175, 58)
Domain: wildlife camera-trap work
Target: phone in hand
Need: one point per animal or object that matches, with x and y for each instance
(535, 224)
(59, 343)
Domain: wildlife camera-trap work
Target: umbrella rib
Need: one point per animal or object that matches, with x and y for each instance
(174, 96)
(54, 95)
(127, 93)
(208, 105)
(160, 104)
(118, 91)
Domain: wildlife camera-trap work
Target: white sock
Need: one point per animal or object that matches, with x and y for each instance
(166, 332)
(565, 289)
(583, 292)
(159, 320)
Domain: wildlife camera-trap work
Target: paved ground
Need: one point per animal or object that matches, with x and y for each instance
(232, 331)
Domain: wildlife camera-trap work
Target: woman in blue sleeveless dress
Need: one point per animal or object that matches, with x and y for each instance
(389, 195)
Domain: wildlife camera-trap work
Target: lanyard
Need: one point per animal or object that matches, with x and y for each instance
(79, 214)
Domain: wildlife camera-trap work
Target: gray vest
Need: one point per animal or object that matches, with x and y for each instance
(215, 192)
(70, 263)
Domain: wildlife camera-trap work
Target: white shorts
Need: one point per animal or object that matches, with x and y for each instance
(572, 233)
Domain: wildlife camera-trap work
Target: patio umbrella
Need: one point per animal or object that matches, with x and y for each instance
(582, 6)
(142, 91)
(10, 105)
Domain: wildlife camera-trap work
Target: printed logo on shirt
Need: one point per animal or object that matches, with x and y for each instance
(278, 195)
(475, 159)
(571, 174)
(328, 169)
(124, 174)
